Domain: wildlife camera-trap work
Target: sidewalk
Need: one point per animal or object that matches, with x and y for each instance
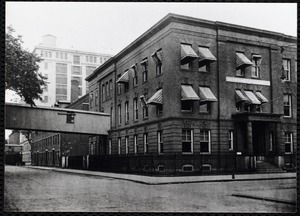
(154, 180)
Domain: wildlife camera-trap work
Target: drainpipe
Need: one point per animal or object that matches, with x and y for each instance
(218, 96)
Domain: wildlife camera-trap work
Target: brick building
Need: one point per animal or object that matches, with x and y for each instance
(196, 95)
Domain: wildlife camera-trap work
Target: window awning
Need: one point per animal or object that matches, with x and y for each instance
(205, 54)
(156, 98)
(261, 97)
(124, 78)
(206, 95)
(157, 56)
(132, 70)
(143, 101)
(187, 54)
(240, 97)
(188, 93)
(252, 98)
(242, 60)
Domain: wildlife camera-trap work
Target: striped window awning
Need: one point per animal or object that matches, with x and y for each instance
(240, 97)
(261, 97)
(124, 78)
(252, 98)
(242, 60)
(156, 98)
(157, 56)
(188, 93)
(206, 95)
(205, 54)
(187, 54)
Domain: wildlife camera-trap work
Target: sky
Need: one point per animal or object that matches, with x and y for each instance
(109, 27)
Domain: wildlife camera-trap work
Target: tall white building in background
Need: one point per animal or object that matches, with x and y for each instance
(61, 66)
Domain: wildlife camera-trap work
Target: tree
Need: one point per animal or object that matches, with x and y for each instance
(21, 69)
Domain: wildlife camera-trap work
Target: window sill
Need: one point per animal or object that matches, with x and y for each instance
(145, 82)
(158, 75)
(135, 121)
(146, 118)
(288, 153)
(187, 153)
(186, 70)
(205, 153)
(187, 111)
(287, 117)
(203, 71)
(257, 78)
(205, 113)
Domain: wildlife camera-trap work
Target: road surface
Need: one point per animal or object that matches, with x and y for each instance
(27, 189)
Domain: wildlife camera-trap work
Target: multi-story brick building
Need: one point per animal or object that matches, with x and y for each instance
(192, 94)
(61, 67)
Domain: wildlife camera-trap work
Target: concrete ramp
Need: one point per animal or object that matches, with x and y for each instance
(52, 119)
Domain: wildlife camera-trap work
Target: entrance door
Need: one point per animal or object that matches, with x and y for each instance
(258, 138)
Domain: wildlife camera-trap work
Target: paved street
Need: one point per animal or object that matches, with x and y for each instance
(29, 189)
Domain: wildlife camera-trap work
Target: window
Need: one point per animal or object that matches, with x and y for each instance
(159, 109)
(95, 59)
(91, 58)
(204, 107)
(46, 65)
(241, 62)
(288, 142)
(160, 142)
(45, 88)
(230, 140)
(96, 97)
(61, 81)
(205, 58)
(126, 145)
(126, 112)
(204, 141)
(50, 54)
(76, 59)
(119, 85)
(240, 72)
(119, 145)
(135, 107)
(45, 99)
(91, 99)
(271, 135)
(186, 106)
(286, 65)
(136, 144)
(144, 64)
(110, 89)
(135, 76)
(119, 114)
(144, 106)
(287, 105)
(107, 91)
(256, 62)
(57, 55)
(61, 55)
(187, 141)
(66, 56)
(76, 70)
(187, 56)
(78, 79)
(109, 146)
(145, 138)
(46, 53)
(157, 57)
(103, 92)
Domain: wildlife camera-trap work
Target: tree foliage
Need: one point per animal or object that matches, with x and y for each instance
(21, 70)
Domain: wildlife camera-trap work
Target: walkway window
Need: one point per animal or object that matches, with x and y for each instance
(288, 142)
(160, 142)
(286, 65)
(287, 105)
(256, 62)
(187, 141)
(144, 64)
(204, 141)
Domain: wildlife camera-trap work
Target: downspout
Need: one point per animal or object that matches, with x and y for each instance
(218, 96)
(116, 93)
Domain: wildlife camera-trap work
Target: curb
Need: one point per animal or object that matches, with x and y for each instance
(265, 199)
(160, 183)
